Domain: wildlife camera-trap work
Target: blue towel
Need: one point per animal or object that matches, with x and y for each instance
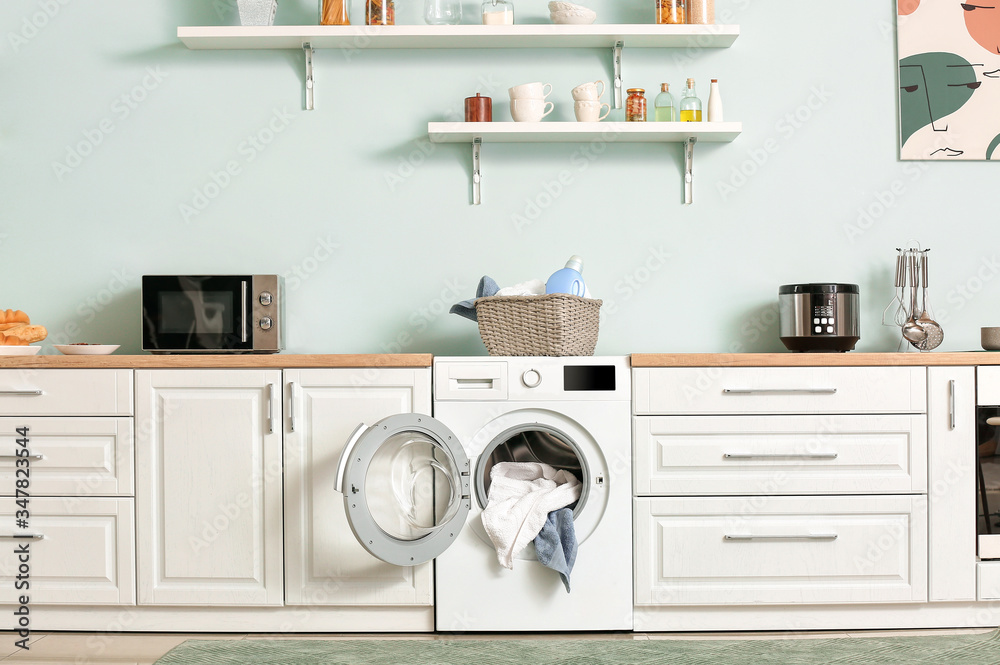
(467, 308)
(556, 544)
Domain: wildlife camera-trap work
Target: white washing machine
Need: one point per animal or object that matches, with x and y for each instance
(415, 487)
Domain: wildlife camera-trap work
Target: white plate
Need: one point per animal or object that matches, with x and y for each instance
(87, 349)
(19, 350)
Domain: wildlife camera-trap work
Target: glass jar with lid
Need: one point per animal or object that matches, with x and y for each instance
(635, 105)
(380, 12)
(671, 11)
(498, 12)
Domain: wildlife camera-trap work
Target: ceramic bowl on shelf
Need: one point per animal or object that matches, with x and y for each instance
(87, 349)
(573, 18)
(19, 350)
(990, 339)
(557, 6)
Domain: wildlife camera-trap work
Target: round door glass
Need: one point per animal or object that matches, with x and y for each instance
(412, 485)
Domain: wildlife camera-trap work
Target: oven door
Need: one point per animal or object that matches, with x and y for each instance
(196, 314)
(405, 482)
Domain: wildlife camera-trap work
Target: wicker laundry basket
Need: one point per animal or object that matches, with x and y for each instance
(557, 324)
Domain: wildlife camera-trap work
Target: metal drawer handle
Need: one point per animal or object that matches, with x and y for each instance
(811, 536)
(737, 456)
(780, 391)
(22, 536)
(15, 457)
(23, 393)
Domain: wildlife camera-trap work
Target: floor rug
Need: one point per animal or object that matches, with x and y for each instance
(981, 649)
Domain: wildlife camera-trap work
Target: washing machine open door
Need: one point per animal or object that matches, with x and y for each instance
(405, 482)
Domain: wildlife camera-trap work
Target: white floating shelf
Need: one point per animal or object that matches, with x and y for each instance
(478, 133)
(581, 132)
(458, 36)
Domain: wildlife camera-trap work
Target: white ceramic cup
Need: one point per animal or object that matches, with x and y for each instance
(530, 91)
(530, 110)
(588, 91)
(587, 111)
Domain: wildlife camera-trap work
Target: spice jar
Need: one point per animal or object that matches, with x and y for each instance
(635, 105)
(671, 11)
(701, 11)
(380, 12)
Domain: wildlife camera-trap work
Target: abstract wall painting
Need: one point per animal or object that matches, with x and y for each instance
(949, 79)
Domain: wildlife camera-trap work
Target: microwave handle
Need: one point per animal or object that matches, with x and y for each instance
(243, 300)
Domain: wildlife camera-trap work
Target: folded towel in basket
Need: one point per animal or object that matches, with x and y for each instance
(521, 496)
(556, 544)
(467, 308)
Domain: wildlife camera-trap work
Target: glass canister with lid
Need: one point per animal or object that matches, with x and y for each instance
(498, 12)
(671, 11)
(635, 105)
(380, 12)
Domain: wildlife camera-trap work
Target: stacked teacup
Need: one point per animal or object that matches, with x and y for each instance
(527, 102)
(587, 102)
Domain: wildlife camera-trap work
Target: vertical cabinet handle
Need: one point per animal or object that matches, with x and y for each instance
(291, 406)
(270, 408)
(951, 404)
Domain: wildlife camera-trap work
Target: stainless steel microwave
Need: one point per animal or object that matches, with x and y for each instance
(212, 313)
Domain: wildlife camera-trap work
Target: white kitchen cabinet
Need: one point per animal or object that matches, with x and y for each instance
(776, 550)
(208, 469)
(83, 553)
(65, 392)
(324, 564)
(989, 580)
(951, 492)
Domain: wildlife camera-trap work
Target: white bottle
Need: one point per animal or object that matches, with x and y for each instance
(714, 103)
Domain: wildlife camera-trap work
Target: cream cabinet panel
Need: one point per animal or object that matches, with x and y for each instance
(779, 390)
(951, 489)
(780, 455)
(780, 550)
(65, 392)
(208, 471)
(80, 456)
(324, 564)
(86, 555)
(989, 580)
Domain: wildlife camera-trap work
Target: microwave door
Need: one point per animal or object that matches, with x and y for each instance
(196, 313)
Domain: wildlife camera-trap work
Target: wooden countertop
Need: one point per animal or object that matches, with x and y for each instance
(195, 361)
(850, 359)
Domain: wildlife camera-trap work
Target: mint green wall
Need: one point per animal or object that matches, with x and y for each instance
(372, 225)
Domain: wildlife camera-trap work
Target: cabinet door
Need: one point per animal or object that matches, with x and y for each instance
(325, 565)
(951, 482)
(208, 499)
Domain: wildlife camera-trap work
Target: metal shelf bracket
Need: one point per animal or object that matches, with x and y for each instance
(617, 54)
(477, 173)
(689, 169)
(310, 82)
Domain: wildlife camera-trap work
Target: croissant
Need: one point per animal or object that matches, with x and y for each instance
(10, 319)
(26, 333)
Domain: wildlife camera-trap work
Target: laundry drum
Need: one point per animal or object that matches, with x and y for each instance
(534, 442)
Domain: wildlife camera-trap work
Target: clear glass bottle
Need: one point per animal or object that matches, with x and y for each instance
(380, 12)
(442, 12)
(690, 104)
(635, 105)
(498, 12)
(671, 11)
(701, 12)
(666, 109)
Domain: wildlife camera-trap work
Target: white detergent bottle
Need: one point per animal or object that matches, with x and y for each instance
(568, 280)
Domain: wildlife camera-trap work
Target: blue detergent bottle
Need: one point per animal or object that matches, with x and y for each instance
(568, 280)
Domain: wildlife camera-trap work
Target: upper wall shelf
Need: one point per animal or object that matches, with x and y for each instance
(309, 37)
(459, 36)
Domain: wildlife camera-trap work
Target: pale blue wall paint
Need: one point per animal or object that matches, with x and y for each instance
(399, 252)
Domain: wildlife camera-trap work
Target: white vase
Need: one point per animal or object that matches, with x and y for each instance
(257, 12)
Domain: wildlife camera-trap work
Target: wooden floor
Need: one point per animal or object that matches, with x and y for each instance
(145, 648)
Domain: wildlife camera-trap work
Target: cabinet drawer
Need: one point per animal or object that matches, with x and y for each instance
(756, 390)
(704, 455)
(87, 555)
(989, 580)
(80, 456)
(775, 550)
(65, 392)
(988, 386)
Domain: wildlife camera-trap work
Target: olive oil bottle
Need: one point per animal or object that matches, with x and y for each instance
(690, 104)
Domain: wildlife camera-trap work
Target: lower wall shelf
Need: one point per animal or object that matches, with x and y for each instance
(687, 133)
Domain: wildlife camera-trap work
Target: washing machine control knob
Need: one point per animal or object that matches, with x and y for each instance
(531, 378)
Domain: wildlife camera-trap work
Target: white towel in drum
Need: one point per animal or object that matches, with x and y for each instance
(522, 494)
